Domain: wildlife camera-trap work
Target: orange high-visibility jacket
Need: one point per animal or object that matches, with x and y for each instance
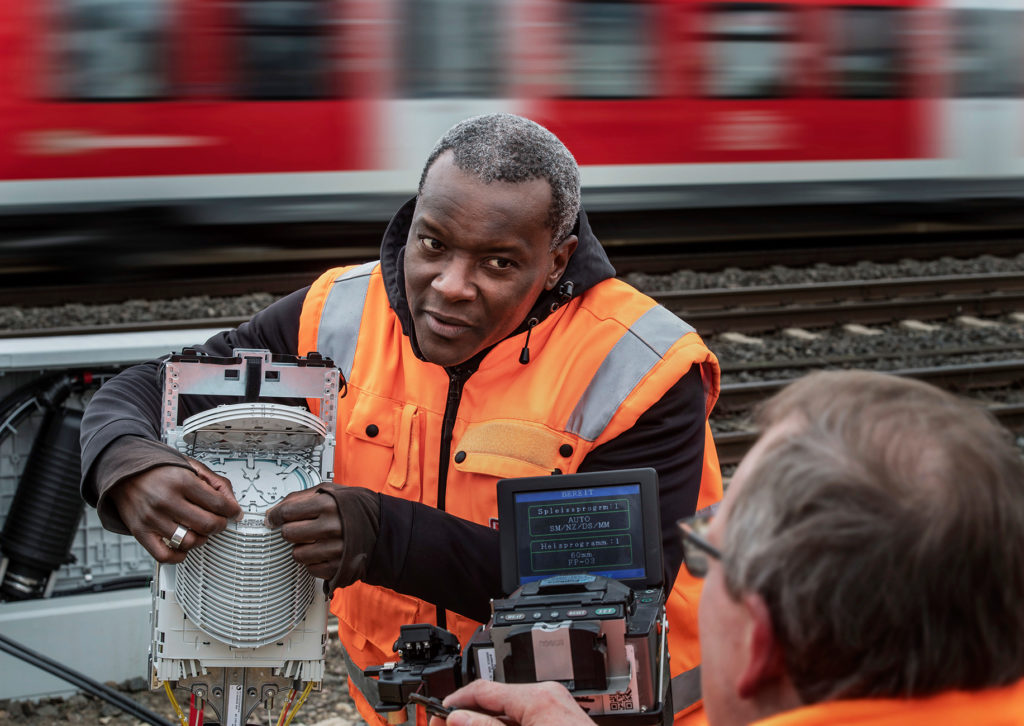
(991, 707)
(597, 363)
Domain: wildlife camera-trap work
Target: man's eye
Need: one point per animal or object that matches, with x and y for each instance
(431, 244)
(499, 263)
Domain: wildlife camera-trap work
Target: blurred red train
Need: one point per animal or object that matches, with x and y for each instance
(297, 110)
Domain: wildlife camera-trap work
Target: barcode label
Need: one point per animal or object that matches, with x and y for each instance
(485, 663)
(234, 709)
(624, 702)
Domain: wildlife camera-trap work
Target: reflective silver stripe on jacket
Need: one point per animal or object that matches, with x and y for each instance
(342, 315)
(632, 358)
(685, 689)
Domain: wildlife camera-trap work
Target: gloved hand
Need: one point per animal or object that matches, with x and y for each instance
(333, 535)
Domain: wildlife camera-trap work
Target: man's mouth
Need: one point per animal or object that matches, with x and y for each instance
(444, 325)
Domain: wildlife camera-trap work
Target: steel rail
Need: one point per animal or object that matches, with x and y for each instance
(736, 397)
(733, 445)
(707, 322)
(841, 291)
(633, 253)
(750, 309)
(866, 313)
(867, 360)
(974, 376)
(47, 269)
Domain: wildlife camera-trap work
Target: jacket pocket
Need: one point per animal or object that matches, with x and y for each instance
(383, 447)
(507, 448)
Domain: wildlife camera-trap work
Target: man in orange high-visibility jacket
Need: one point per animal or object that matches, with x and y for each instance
(491, 340)
(866, 568)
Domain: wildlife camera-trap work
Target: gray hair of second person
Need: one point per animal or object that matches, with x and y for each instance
(509, 148)
(885, 534)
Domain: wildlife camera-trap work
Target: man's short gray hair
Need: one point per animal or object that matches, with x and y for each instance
(508, 148)
(886, 536)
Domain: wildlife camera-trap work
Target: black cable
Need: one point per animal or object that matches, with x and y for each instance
(48, 391)
(83, 681)
(120, 583)
(26, 390)
(19, 404)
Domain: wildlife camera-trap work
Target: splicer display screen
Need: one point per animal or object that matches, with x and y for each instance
(595, 530)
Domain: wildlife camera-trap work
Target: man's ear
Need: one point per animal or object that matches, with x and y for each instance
(764, 665)
(560, 259)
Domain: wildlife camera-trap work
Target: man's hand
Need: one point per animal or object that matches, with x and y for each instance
(156, 502)
(526, 704)
(333, 527)
(311, 522)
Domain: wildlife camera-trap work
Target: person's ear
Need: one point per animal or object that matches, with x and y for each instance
(560, 259)
(763, 663)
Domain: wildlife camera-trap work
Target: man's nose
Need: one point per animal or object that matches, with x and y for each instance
(455, 281)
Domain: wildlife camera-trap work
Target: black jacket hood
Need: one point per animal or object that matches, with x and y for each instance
(588, 266)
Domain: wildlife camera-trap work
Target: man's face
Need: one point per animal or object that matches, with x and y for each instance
(477, 257)
(720, 622)
(723, 621)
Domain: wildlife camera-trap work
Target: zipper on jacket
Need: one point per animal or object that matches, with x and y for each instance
(456, 380)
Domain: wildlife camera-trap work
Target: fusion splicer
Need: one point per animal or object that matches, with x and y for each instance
(581, 554)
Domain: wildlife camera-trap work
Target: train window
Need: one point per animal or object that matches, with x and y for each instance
(609, 53)
(283, 49)
(751, 47)
(988, 59)
(108, 50)
(450, 48)
(867, 59)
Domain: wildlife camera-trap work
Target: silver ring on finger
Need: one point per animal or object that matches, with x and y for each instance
(175, 541)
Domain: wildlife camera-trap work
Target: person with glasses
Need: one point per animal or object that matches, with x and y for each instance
(866, 567)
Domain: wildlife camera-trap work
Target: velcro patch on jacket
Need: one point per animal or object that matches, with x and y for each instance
(507, 448)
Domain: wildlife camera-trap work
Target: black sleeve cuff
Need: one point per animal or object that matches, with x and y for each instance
(437, 557)
(125, 457)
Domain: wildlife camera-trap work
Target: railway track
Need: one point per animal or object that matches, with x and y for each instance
(733, 445)
(767, 308)
(765, 367)
(849, 292)
(737, 398)
(872, 302)
(278, 260)
(714, 310)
